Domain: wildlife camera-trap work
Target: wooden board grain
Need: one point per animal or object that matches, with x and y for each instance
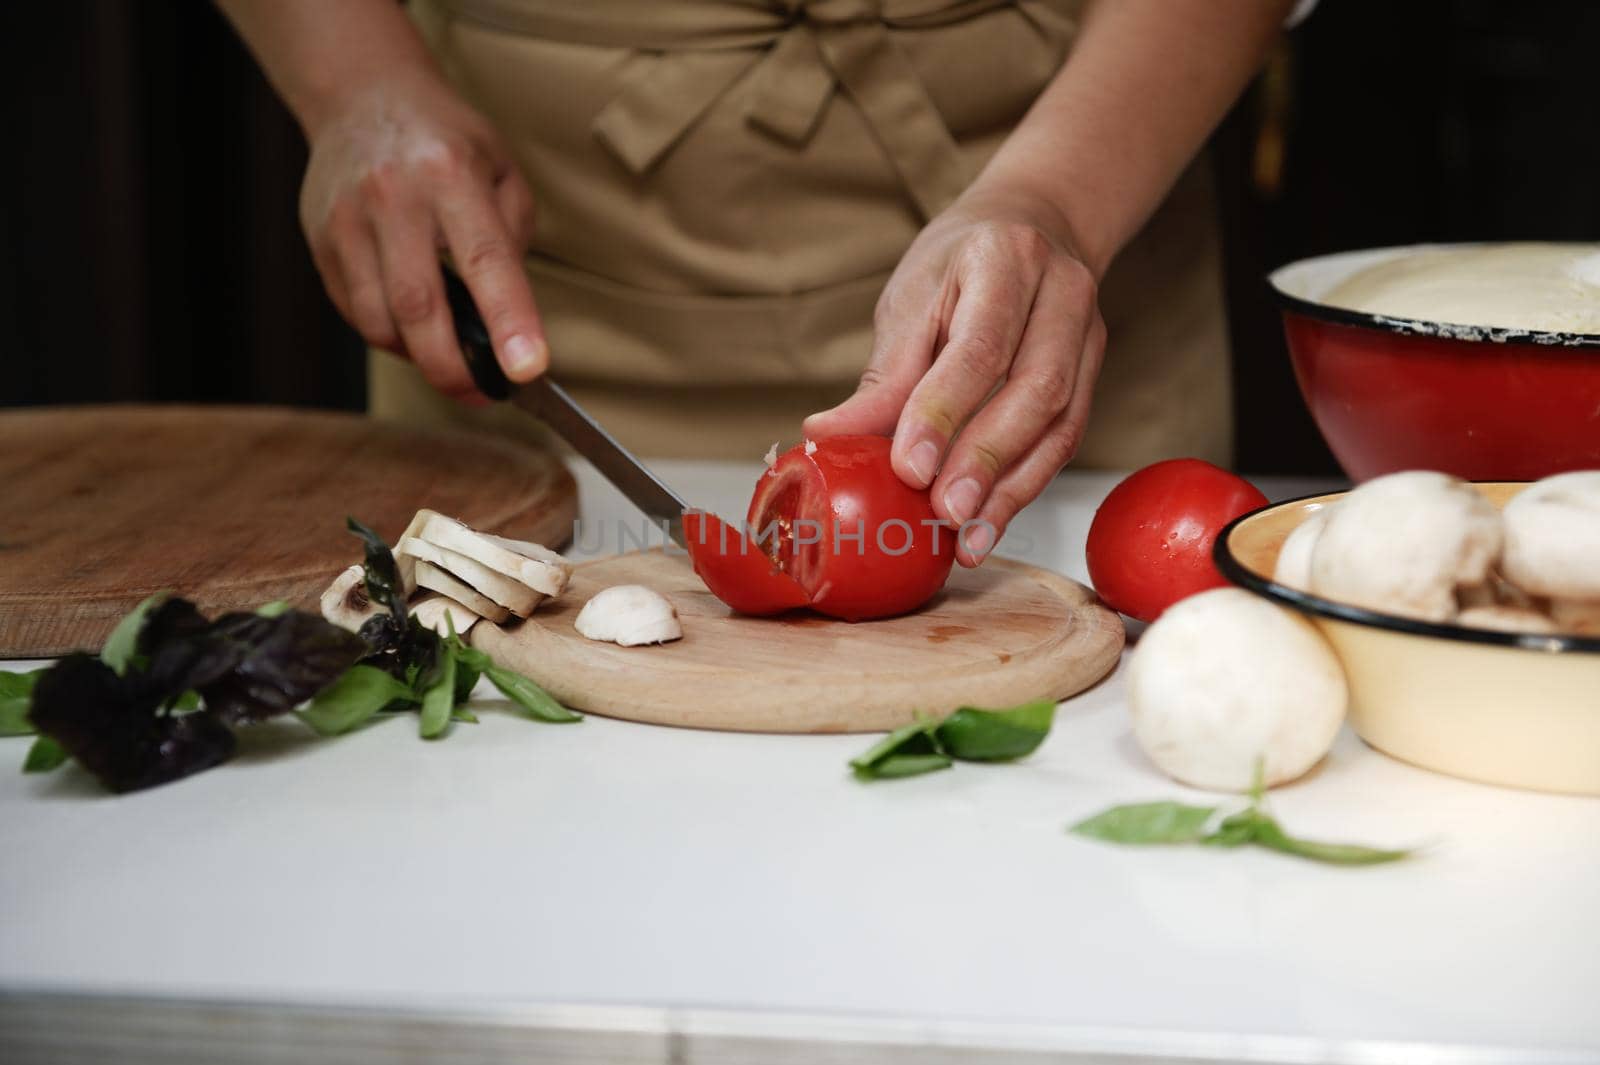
(229, 506)
(996, 636)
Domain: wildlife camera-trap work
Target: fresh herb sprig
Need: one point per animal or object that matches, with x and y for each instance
(411, 667)
(1174, 822)
(162, 699)
(969, 735)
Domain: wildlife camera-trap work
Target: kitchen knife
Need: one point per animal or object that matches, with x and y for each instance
(550, 403)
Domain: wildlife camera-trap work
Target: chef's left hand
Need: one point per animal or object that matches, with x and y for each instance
(988, 340)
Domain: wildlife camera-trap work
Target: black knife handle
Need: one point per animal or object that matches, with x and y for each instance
(473, 337)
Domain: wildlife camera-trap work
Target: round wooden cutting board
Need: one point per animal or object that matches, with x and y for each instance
(229, 506)
(996, 636)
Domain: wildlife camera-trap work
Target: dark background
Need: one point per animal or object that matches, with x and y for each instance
(154, 252)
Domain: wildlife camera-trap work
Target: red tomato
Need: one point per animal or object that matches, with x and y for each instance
(737, 572)
(837, 525)
(1150, 542)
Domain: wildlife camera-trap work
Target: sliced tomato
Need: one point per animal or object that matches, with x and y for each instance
(831, 527)
(738, 572)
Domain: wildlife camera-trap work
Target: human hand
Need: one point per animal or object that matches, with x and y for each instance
(401, 169)
(988, 340)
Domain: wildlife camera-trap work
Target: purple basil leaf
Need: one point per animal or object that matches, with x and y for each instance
(274, 663)
(112, 729)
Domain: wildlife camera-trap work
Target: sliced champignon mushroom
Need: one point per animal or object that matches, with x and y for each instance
(1553, 537)
(507, 592)
(1224, 681)
(345, 603)
(1293, 568)
(538, 567)
(1495, 617)
(1402, 544)
(430, 610)
(434, 579)
(630, 615)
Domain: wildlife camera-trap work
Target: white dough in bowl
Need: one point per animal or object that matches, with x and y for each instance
(1539, 287)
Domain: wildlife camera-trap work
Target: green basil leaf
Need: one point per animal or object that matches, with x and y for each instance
(904, 765)
(974, 735)
(185, 702)
(273, 609)
(439, 699)
(466, 680)
(528, 695)
(359, 694)
(18, 685)
(1147, 822)
(122, 646)
(473, 658)
(45, 754)
(461, 713)
(1271, 835)
(1236, 829)
(915, 738)
(14, 716)
(16, 694)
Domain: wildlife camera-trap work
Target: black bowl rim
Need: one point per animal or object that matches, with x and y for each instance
(1306, 603)
(1415, 327)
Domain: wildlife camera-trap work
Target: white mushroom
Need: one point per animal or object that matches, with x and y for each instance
(538, 567)
(345, 603)
(1225, 680)
(431, 610)
(511, 594)
(435, 579)
(1402, 544)
(630, 615)
(1579, 617)
(1293, 568)
(1553, 539)
(1497, 618)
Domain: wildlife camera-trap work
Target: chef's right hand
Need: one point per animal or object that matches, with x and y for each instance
(400, 171)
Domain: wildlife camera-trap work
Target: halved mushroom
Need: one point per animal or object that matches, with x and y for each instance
(345, 603)
(511, 594)
(1404, 543)
(630, 615)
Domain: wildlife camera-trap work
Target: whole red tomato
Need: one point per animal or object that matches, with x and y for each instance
(830, 527)
(1150, 542)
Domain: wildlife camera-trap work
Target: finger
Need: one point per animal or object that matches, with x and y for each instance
(514, 201)
(354, 249)
(1038, 387)
(491, 265)
(414, 290)
(904, 335)
(991, 310)
(1025, 480)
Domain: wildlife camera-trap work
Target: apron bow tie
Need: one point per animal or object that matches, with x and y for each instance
(813, 47)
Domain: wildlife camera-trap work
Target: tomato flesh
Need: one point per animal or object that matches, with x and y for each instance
(838, 525)
(1150, 542)
(738, 572)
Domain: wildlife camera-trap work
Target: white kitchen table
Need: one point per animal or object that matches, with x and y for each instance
(612, 892)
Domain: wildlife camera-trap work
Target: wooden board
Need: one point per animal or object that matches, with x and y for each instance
(996, 636)
(230, 506)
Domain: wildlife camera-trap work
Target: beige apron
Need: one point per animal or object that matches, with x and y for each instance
(724, 187)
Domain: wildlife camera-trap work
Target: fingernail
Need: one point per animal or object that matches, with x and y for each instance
(524, 356)
(924, 462)
(962, 498)
(980, 540)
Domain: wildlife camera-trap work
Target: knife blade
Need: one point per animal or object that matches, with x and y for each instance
(549, 402)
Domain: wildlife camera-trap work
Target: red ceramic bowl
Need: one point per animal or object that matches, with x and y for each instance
(1398, 394)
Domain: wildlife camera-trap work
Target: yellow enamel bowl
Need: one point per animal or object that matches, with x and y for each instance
(1502, 708)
